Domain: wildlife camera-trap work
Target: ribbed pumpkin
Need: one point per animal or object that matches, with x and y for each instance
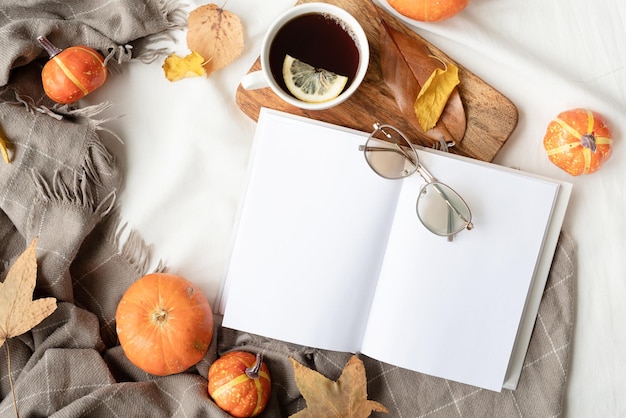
(428, 10)
(71, 73)
(578, 141)
(164, 324)
(240, 384)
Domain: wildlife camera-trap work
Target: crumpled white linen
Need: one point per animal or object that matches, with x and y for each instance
(187, 144)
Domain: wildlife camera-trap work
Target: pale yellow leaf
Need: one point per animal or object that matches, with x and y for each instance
(177, 68)
(216, 34)
(434, 95)
(19, 313)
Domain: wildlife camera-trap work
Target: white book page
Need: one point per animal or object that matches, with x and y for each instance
(452, 309)
(311, 236)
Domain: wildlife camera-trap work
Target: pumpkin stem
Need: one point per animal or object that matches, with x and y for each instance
(253, 372)
(50, 48)
(160, 316)
(589, 141)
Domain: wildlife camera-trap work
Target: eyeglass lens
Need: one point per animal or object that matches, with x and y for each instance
(442, 210)
(389, 154)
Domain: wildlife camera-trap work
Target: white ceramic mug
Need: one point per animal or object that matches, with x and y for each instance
(264, 78)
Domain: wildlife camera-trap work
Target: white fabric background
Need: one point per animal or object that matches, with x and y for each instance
(187, 144)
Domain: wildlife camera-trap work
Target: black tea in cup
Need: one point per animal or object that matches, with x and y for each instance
(319, 40)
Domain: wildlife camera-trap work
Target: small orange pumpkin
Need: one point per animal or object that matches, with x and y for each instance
(578, 141)
(240, 384)
(428, 10)
(71, 73)
(164, 324)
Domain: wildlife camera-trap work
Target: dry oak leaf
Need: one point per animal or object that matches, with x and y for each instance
(176, 67)
(19, 313)
(347, 397)
(216, 34)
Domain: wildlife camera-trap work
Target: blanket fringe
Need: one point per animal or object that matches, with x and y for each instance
(175, 15)
(60, 111)
(87, 114)
(31, 106)
(78, 187)
(97, 163)
(79, 194)
(134, 249)
(174, 12)
(131, 246)
(57, 190)
(152, 54)
(121, 53)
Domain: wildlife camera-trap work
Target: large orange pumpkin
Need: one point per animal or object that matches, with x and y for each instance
(428, 10)
(164, 324)
(240, 384)
(71, 73)
(578, 141)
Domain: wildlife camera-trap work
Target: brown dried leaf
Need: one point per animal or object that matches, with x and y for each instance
(216, 34)
(407, 64)
(19, 313)
(347, 397)
(176, 67)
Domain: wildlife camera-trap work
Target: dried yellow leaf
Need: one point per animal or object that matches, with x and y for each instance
(432, 98)
(216, 34)
(177, 68)
(19, 313)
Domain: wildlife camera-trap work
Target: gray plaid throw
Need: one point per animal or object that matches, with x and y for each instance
(61, 187)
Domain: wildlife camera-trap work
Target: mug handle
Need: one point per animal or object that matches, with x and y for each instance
(254, 80)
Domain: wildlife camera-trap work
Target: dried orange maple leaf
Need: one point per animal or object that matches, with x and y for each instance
(19, 313)
(216, 34)
(347, 397)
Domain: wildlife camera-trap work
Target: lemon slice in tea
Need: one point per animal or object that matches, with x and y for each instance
(310, 84)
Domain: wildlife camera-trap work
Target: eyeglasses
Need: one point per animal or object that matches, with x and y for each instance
(439, 208)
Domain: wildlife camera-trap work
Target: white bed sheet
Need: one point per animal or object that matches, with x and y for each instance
(186, 146)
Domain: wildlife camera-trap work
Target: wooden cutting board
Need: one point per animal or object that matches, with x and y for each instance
(491, 117)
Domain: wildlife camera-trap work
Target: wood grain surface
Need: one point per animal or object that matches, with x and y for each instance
(491, 117)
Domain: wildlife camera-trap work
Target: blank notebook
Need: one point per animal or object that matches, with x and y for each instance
(328, 254)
